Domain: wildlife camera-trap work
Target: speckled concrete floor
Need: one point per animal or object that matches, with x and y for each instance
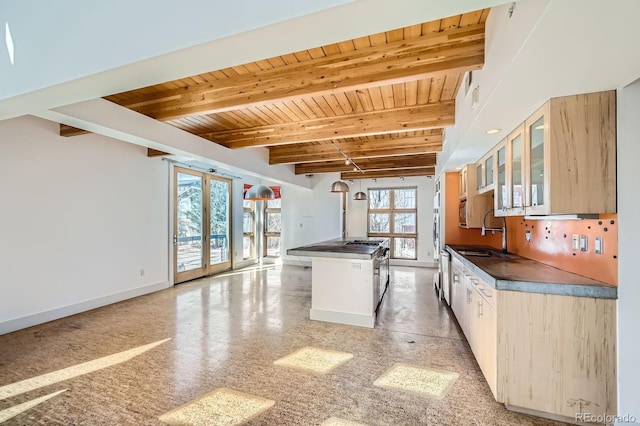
(226, 332)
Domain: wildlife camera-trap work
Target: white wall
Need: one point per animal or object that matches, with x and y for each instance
(628, 237)
(80, 218)
(309, 216)
(504, 38)
(357, 214)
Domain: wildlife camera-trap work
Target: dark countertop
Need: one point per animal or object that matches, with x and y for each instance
(518, 273)
(337, 248)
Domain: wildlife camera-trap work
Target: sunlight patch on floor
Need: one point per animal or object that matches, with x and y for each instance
(222, 407)
(418, 380)
(314, 360)
(58, 376)
(21, 408)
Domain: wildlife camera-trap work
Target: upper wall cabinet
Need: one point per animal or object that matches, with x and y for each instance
(562, 159)
(473, 204)
(485, 173)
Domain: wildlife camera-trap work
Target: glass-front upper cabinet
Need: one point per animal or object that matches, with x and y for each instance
(516, 171)
(501, 192)
(484, 172)
(537, 172)
(488, 171)
(479, 176)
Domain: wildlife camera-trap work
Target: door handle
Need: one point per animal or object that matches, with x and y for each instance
(175, 239)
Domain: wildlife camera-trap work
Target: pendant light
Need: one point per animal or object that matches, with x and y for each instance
(339, 186)
(259, 192)
(360, 195)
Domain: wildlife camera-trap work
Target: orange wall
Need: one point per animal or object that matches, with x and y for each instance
(453, 234)
(551, 241)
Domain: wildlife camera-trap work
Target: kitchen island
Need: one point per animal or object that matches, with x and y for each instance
(349, 277)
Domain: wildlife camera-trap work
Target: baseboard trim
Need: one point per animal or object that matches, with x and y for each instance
(343, 318)
(545, 415)
(76, 308)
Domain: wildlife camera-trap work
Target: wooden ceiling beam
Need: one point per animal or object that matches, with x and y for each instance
(397, 120)
(325, 151)
(68, 131)
(419, 171)
(455, 50)
(155, 153)
(366, 164)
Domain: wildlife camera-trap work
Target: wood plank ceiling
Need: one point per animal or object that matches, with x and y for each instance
(380, 101)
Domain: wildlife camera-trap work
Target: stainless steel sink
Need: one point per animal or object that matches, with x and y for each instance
(487, 253)
(503, 255)
(478, 253)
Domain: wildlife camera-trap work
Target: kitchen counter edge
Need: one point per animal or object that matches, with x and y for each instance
(562, 289)
(334, 249)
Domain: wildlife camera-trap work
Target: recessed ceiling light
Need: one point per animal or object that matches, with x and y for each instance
(493, 131)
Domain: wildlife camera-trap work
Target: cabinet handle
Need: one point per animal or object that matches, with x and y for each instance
(484, 292)
(480, 310)
(456, 278)
(468, 296)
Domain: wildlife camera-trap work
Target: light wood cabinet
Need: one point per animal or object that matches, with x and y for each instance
(571, 155)
(486, 330)
(516, 172)
(462, 183)
(476, 204)
(485, 172)
(457, 289)
(501, 192)
(473, 303)
(548, 355)
(562, 159)
(557, 354)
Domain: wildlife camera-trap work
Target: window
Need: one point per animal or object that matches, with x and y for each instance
(393, 213)
(249, 229)
(272, 227)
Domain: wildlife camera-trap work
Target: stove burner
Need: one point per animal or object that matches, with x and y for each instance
(364, 242)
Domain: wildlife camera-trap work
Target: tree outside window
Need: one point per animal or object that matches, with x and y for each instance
(272, 227)
(392, 213)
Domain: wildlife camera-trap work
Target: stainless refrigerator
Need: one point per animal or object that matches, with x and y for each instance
(441, 279)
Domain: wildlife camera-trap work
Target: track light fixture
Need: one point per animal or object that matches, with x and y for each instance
(347, 160)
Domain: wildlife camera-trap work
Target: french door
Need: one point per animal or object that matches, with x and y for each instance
(202, 227)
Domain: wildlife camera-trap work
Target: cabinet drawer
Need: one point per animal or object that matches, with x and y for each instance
(484, 290)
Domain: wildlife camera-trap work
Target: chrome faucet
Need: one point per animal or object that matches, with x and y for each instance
(503, 229)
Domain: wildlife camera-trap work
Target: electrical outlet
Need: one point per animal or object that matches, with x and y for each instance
(576, 242)
(527, 236)
(583, 243)
(597, 246)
